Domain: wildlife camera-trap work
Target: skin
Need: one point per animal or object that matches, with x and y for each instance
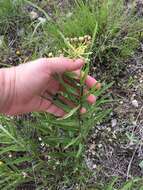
(22, 87)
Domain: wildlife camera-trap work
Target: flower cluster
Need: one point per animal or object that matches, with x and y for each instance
(82, 39)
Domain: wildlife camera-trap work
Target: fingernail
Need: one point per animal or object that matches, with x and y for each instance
(79, 61)
(98, 85)
(83, 110)
(91, 99)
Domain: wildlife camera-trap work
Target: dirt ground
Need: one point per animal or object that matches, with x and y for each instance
(115, 147)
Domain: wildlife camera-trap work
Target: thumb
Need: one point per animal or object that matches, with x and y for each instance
(61, 64)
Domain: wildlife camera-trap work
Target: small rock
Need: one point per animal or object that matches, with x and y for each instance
(1, 40)
(134, 123)
(10, 155)
(135, 103)
(114, 122)
(42, 144)
(121, 102)
(108, 129)
(94, 166)
(92, 146)
(20, 32)
(42, 20)
(24, 174)
(100, 146)
(33, 15)
(50, 54)
(68, 15)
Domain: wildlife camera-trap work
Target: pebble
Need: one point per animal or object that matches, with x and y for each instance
(1, 163)
(92, 146)
(68, 15)
(135, 103)
(81, 39)
(1, 40)
(121, 102)
(42, 20)
(42, 144)
(10, 155)
(33, 15)
(100, 145)
(20, 32)
(94, 166)
(50, 54)
(24, 174)
(134, 123)
(114, 122)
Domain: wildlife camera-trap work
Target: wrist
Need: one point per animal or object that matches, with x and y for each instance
(7, 83)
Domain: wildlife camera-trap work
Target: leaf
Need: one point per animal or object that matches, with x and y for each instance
(72, 142)
(14, 148)
(111, 186)
(79, 150)
(69, 114)
(61, 104)
(141, 164)
(5, 180)
(66, 41)
(19, 160)
(69, 89)
(94, 36)
(55, 140)
(127, 186)
(99, 92)
(62, 154)
(10, 135)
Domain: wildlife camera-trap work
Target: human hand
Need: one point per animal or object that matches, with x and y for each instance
(25, 86)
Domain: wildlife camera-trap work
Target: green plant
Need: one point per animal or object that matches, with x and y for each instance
(57, 144)
(64, 139)
(11, 15)
(118, 33)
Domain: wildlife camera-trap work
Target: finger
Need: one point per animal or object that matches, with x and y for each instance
(67, 102)
(52, 87)
(44, 104)
(61, 64)
(47, 105)
(83, 110)
(55, 111)
(91, 98)
(90, 81)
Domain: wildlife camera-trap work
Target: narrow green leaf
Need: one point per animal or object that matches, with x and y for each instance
(79, 150)
(14, 148)
(10, 135)
(73, 111)
(111, 186)
(72, 142)
(127, 186)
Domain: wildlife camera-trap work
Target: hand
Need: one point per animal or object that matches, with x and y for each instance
(25, 85)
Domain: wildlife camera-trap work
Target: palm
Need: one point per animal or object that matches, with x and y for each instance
(34, 85)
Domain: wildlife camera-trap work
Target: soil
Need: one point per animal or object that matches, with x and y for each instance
(115, 147)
